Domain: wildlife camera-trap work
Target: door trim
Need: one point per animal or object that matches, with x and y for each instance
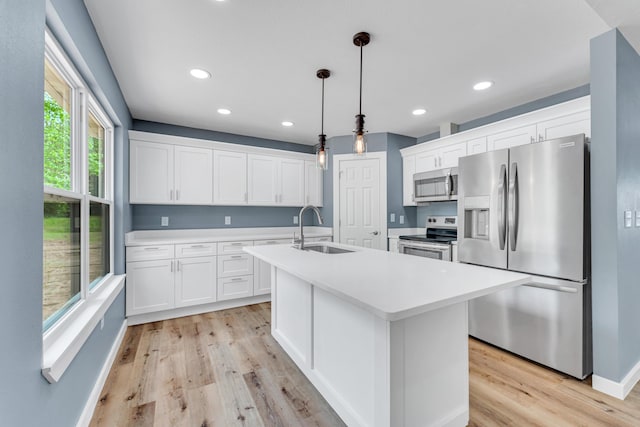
(382, 157)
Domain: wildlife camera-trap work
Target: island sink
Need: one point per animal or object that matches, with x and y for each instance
(325, 249)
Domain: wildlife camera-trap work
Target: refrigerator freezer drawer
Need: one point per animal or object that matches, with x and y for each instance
(547, 321)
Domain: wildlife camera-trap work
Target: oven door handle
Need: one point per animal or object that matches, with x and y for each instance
(440, 248)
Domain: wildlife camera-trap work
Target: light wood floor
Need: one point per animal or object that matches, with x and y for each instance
(225, 369)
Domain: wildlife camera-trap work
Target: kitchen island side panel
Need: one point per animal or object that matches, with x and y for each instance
(374, 372)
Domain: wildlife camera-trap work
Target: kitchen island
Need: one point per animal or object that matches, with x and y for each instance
(382, 336)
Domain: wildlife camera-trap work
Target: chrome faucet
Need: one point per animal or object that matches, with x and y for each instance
(301, 215)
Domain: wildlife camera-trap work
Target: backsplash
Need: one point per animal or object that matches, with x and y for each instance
(148, 217)
(436, 209)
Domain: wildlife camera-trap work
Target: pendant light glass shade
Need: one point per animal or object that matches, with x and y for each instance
(322, 155)
(359, 133)
(359, 137)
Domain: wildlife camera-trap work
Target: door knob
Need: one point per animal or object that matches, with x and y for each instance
(375, 233)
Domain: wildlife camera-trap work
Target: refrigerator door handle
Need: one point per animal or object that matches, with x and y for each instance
(502, 206)
(513, 206)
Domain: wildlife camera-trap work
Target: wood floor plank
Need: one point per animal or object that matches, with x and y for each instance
(225, 369)
(238, 404)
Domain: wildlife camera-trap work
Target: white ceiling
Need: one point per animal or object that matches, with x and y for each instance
(263, 55)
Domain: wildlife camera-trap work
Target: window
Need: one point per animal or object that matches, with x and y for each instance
(78, 200)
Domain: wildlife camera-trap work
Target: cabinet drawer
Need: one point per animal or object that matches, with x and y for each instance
(195, 249)
(235, 265)
(233, 247)
(235, 287)
(271, 242)
(147, 253)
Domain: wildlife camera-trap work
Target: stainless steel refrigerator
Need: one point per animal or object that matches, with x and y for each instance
(526, 209)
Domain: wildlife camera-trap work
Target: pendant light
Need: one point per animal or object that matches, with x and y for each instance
(322, 157)
(359, 134)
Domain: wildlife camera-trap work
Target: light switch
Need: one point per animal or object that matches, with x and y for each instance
(628, 219)
(295, 219)
(227, 220)
(392, 217)
(637, 218)
(401, 219)
(164, 221)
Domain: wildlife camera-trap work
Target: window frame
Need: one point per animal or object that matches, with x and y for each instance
(65, 335)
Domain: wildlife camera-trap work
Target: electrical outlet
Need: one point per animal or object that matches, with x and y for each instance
(627, 219)
(637, 218)
(164, 221)
(392, 217)
(227, 220)
(295, 219)
(401, 219)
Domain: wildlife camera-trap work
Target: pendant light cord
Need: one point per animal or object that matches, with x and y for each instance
(361, 78)
(322, 115)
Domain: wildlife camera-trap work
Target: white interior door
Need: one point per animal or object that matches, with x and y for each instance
(360, 199)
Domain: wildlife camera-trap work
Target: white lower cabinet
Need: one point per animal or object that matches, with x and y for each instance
(262, 269)
(149, 286)
(235, 287)
(195, 281)
(393, 244)
(235, 270)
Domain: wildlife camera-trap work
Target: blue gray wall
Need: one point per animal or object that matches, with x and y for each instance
(147, 217)
(615, 188)
(516, 111)
(391, 143)
(25, 396)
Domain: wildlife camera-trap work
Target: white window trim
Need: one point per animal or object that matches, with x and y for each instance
(65, 338)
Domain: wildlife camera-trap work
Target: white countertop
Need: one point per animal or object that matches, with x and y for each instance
(391, 285)
(171, 237)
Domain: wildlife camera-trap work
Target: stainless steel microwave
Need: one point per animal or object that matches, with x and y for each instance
(436, 186)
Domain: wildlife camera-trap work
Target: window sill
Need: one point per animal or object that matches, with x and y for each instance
(64, 340)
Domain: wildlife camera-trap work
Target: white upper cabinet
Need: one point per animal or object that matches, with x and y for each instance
(477, 145)
(275, 181)
(164, 174)
(568, 125)
(193, 176)
(512, 138)
(449, 154)
(229, 178)
(427, 161)
(263, 179)
(151, 172)
(444, 157)
(291, 182)
(312, 184)
(408, 169)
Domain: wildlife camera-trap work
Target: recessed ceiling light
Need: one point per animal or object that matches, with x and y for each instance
(482, 85)
(418, 111)
(224, 111)
(200, 73)
(287, 123)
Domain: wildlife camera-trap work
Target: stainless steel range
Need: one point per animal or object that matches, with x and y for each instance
(435, 243)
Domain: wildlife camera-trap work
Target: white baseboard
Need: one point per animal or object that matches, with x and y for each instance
(92, 400)
(174, 313)
(621, 389)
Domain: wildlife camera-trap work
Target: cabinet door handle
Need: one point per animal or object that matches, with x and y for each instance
(152, 249)
(177, 265)
(236, 256)
(271, 242)
(540, 138)
(170, 194)
(533, 139)
(172, 266)
(177, 194)
(435, 162)
(237, 279)
(197, 246)
(236, 244)
(246, 197)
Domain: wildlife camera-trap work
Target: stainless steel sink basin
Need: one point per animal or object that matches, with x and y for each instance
(325, 249)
